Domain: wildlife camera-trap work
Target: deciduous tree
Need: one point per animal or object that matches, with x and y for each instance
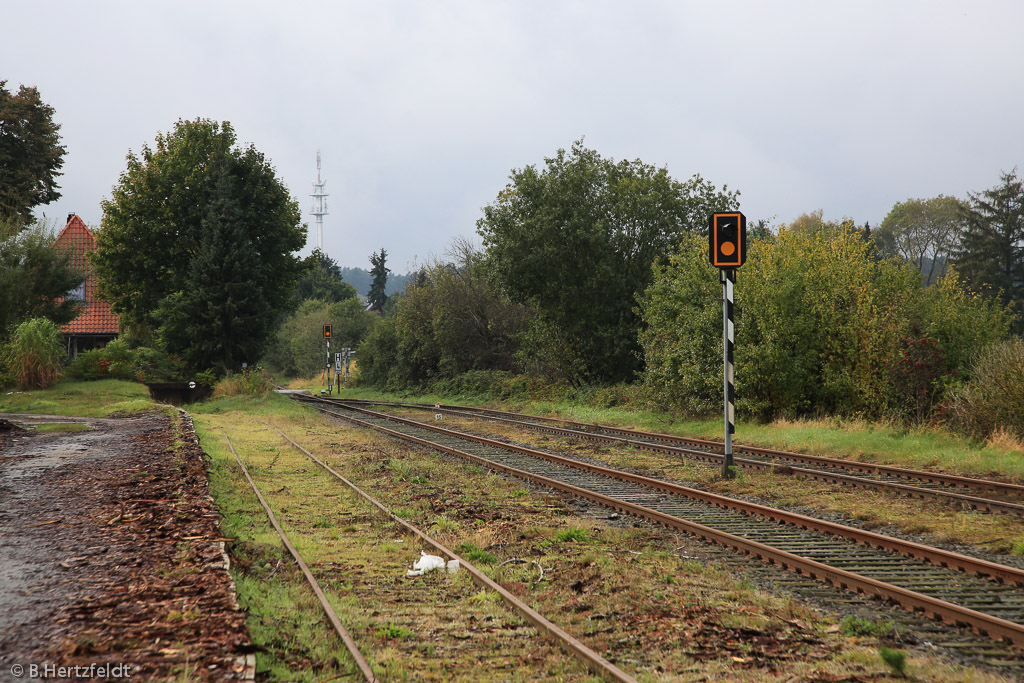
(923, 232)
(454, 319)
(31, 155)
(298, 349)
(576, 239)
(822, 327)
(198, 244)
(322, 280)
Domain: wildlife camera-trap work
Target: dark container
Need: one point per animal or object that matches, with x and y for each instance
(177, 393)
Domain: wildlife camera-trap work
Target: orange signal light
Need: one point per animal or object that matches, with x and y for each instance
(727, 239)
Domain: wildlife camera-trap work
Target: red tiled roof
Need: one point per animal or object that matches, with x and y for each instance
(96, 316)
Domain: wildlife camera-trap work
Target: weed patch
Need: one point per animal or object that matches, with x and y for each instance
(573, 535)
(853, 626)
(475, 555)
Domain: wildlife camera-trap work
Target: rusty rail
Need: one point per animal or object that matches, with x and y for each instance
(593, 661)
(704, 450)
(350, 644)
(940, 609)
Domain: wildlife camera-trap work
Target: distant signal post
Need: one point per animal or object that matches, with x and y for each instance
(328, 333)
(727, 249)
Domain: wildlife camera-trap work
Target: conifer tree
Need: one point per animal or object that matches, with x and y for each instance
(379, 273)
(991, 253)
(35, 276)
(224, 317)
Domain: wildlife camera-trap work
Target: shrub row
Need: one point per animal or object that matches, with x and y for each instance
(117, 360)
(823, 326)
(993, 399)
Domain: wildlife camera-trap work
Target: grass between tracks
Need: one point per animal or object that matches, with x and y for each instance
(941, 521)
(924, 447)
(646, 599)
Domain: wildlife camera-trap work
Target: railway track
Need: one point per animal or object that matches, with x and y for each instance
(951, 588)
(593, 661)
(999, 497)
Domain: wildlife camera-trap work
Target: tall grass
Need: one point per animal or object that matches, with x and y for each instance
(251, 382)
(34, 355)
(993, 401)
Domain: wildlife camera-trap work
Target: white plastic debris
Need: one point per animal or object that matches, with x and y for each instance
(428, 563)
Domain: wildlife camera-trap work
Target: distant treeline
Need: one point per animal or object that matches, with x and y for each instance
(360, 278)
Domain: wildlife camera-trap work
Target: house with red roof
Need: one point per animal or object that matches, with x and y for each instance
(96, 324)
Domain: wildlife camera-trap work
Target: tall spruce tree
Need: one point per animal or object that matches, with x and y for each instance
(224, 317)
(991, 253)
(379, 273)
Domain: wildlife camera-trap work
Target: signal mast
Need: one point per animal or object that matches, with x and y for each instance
(319, 204)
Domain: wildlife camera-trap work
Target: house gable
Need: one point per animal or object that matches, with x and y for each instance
(96, 318)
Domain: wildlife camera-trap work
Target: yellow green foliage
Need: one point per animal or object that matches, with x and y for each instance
(823, 325)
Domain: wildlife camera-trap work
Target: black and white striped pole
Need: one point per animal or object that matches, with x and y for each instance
(728, 278)
(727, 251)
(328, 333)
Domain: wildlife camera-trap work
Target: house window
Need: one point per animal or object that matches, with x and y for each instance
(78, 293)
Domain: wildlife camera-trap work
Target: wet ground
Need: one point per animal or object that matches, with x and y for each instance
(110, 555)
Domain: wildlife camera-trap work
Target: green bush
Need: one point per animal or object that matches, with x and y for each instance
(298, 348)
(33, 358)
(823, 326)
(377, 357)
(993, 398)
(494, 383)
(250, 382)
(117, 360)
(573, 535)
(451, 321)
(474, 554)
(855, 626)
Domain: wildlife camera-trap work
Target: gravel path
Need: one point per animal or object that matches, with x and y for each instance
(111, 555)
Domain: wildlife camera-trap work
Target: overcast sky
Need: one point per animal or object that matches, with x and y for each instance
(421, 109)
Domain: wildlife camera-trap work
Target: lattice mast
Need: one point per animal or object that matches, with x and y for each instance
(319, 204)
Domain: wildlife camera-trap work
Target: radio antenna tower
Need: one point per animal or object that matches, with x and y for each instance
(319, 204)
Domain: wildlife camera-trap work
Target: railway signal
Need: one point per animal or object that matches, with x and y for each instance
(727, 236)
(328, 332)
(727, 249)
